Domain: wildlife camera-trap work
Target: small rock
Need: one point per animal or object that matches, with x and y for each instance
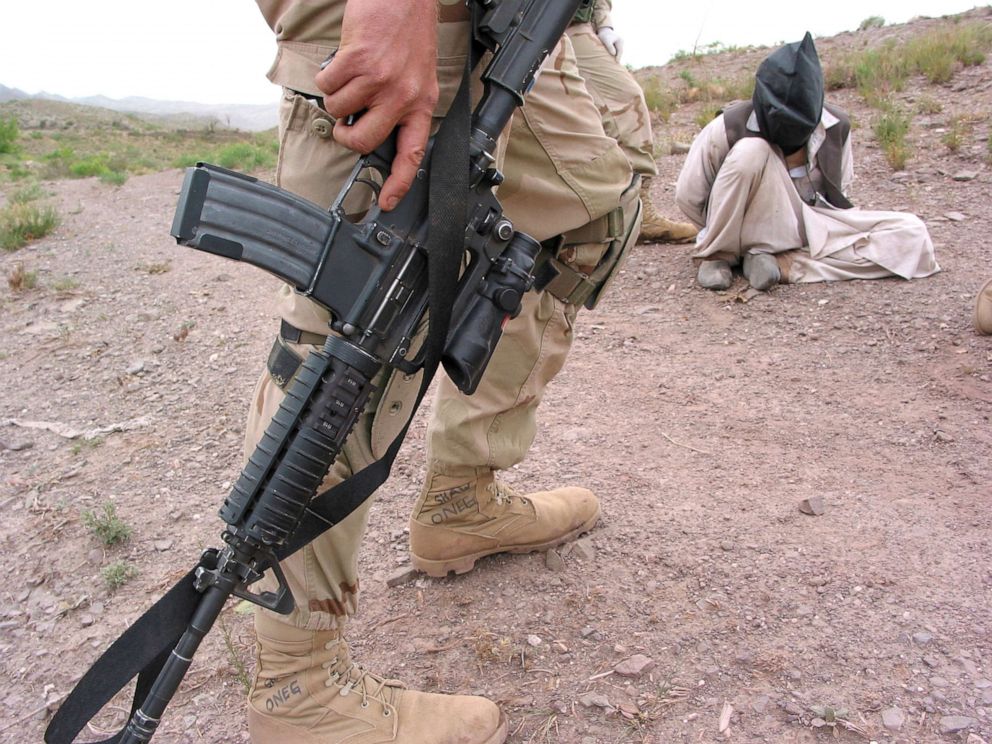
(634, 666)
(726, 713)
(814, 506)
(533, 640)
(965, 175)
(893, 719)
(679, 148)
(401, 576)
(162, 545)
(975, 739)
(793, 708)
(953, 724)
(553, 560)
(594, 700)
(968, 665)
(136, 367)
(956, 216)
(86, 620)
(583, 550)
(759, 703)
(987, 697)
(939, 682)
(922, 638)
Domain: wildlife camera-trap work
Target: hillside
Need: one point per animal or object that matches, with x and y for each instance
(128, 366)
(248, 117)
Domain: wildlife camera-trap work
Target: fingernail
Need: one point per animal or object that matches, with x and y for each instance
(389, 204)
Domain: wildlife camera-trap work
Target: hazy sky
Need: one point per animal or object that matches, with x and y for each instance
(219, 50)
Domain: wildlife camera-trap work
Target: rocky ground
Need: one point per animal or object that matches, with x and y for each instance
(796, 485)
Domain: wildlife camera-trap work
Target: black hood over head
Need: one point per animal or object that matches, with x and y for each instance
(788, 94)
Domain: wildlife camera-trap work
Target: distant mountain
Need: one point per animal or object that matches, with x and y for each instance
(249, 117)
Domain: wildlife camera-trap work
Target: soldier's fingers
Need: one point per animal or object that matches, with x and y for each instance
(353, 97)
(369, 131)
(411, 142)
(337, 72)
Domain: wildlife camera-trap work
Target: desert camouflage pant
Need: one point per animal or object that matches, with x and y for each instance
(618, 97)
(562, 173)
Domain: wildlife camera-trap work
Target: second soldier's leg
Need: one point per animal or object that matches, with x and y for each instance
(626, 118)
(562, 173)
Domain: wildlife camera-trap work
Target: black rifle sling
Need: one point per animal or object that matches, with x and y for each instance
(143, 648)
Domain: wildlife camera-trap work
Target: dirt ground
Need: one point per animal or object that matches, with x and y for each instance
(721, 414)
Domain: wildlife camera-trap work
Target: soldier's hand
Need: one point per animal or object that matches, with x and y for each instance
(611, 40)
(385, 69)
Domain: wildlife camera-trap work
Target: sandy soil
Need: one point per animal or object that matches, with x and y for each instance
(725, 413)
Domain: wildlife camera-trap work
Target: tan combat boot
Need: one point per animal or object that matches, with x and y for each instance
(463, 517)
(983, 309)
(308, 691)
(658, 229)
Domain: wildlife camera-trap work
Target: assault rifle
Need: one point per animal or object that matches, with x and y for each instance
(377, 277)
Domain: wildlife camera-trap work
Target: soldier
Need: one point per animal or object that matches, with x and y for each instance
(620, 100)
(568, 184)
(767, 181)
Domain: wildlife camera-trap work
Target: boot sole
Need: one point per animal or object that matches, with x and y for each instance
(464, 564)
(501, 733)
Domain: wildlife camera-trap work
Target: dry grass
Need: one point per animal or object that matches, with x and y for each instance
(22, 223)
(936, 55)
(20, 279)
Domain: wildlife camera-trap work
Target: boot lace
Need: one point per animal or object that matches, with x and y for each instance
(504, 494)
(351, 677)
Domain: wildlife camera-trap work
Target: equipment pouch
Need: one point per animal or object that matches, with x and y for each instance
(618, 229)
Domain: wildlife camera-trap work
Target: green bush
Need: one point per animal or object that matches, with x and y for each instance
(95, 165)
(29, 193)
(117, 574)
(9, 132)
(245, 156)
(107, 526)
(115, 177)
(658, 99)
(890, 130)
(22, 223)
